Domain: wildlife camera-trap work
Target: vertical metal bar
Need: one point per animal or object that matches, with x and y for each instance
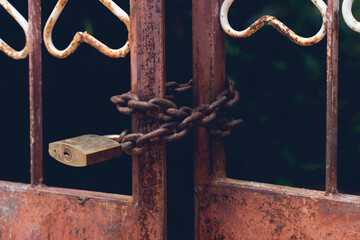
(35, 88)
(332, 95)
(209, 80)
(147, 32)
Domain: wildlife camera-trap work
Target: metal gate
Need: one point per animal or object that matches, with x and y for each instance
(234, 209)
(39, 212)
(224, 208)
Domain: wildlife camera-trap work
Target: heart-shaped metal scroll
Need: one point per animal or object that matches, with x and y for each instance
(349, 17)
(84, 36)
(273, 21)
(24, 25)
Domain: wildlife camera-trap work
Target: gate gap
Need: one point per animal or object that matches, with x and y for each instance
(180, 175)
(14, 102)
(76, 99)
(349, 105)
(283, 96)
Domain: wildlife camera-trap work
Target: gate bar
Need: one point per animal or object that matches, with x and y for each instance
(35, 92)
(147, 42)
(332, 95)
(209, 80)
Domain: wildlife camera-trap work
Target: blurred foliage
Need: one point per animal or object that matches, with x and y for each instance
(88, 26)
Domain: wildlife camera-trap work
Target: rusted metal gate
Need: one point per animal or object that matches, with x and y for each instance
(233, 209)
(39, 212)
(224, 208)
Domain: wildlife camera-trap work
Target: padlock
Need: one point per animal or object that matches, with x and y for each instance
(87, 149)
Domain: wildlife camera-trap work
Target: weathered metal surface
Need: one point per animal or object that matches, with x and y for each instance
(28, 213)
(349, 17)
(245, 210)
(278, 25)
(147, 33)
(209, 81)
(38, 212)
(84, 36)
(231, 209)
(332, 95)
(35, 92)
(24, 25)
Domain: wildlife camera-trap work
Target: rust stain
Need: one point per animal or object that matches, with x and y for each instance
(148, 81)
(209, 80)
(332, 96)
(230, 209)
(241, 210)
(52, 213)
(35, 93)
(347, 6)
(9, 208)
(47, 30)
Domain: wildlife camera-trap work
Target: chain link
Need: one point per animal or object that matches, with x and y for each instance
(176, 122)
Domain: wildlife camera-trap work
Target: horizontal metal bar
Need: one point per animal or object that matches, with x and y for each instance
(270, 20)
(232, 209)
(56, 213)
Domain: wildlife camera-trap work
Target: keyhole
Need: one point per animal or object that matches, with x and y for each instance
(67, 155)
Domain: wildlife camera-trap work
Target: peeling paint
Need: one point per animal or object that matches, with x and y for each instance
(53, 213)
(348, 15)
(274, 216)
(8, 208)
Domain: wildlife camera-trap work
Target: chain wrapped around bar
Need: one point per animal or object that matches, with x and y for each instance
(176, 122)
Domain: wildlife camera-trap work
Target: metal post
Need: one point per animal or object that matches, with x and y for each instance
(332, 96)
(148, 81)
(35, 95)
(209, 80)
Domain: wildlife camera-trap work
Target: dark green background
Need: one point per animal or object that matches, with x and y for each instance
(282, 88)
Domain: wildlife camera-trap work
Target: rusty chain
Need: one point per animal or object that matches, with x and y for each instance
(176, 122)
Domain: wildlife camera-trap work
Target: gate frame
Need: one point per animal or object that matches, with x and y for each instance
(224, 208)
(234, 209)
(35, 211)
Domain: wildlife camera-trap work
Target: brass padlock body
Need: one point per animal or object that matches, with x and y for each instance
(85, 150)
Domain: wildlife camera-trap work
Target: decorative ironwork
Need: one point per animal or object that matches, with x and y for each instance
(84, 36)
(24, 25)
(349, 17)
(277, 24)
